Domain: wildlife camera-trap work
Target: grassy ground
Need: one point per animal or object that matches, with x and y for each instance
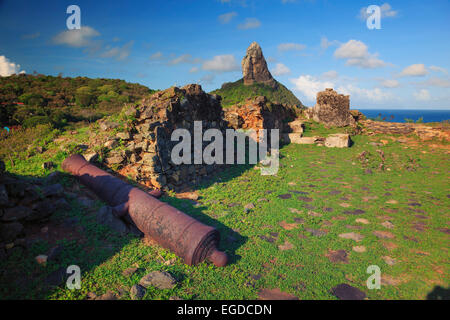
(287, 241)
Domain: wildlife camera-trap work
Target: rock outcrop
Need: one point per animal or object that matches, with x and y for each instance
(254, 67)
(332, 109)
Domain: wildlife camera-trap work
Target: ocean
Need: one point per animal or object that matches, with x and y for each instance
(398, 115)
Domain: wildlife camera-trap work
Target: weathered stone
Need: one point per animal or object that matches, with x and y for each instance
(347, 292)
(41, 259)
(383, 234)
(254, 67)
(16, 213)
(91, 157)
(275, 294)
(107, 296)
(296, 126)
(331, 109)
(54, 190)
(286, 246)
(41, 210)
(359, 249)
(4, 199)
(137, 292)
(337, 140)
(107, 125)
(158, 279)
(306, 140)
(48, 165)
(57, 277)
(336, 256)
(115, 158)
(123, 135)
(292, 138)
(10, 231)
(105, 216)
(351, 235)
(111, 144)
(54, 254)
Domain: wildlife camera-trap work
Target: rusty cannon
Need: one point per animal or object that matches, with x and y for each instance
(188, 238)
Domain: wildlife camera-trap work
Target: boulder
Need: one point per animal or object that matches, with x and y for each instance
(158, 279)
(292, 138)
(16, 213)
(305, 140)
(42, 210)
(338, 140)
(106, 217)
(54, 190)
(4, 199)
(296, 126)
(10, 231)
(107, 125)
(91, 157)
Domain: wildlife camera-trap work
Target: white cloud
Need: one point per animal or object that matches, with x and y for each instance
(357, 54)
(227, 17)
(8, 68)
(156, 56)
(207, 79)
(77, 37)
(118, 53)
(438, 69)
(386, 12)
(325, 43)
(280, 69)
(221, 63)
(250, 23)
(332, 74)
(194, 70)
(184, 58)
(422, 95)
(309, 86)
(390, 83)
(291, 47)
(375, 94)
(436, 82)
(414, 70)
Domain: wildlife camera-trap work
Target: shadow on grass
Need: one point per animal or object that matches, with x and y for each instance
(84, 242)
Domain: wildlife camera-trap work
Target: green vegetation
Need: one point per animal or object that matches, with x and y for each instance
(420, 120)
(236, 92)
(281, 243)
(30, 100)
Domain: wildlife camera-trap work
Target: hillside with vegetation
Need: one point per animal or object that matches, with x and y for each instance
(29, 100)
(236, 92)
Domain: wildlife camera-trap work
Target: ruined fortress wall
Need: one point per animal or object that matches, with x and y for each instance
(150, 135)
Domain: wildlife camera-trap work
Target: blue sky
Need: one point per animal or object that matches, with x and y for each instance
(309, 45)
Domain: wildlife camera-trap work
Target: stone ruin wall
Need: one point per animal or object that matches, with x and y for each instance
(146, 156)
(258, 113)
(331, 109)
(149, 146)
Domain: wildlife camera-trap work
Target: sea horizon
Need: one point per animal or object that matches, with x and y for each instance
(400, 115)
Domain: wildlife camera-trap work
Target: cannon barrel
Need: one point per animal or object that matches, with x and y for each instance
(188, 238)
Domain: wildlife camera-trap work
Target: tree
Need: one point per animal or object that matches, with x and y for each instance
(84, 96)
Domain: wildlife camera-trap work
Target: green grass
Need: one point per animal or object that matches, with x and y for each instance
(410, 175)
(236, 92)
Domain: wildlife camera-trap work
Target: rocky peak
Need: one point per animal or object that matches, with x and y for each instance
(254, 67)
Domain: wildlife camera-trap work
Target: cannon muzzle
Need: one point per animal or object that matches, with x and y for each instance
(188, 238)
